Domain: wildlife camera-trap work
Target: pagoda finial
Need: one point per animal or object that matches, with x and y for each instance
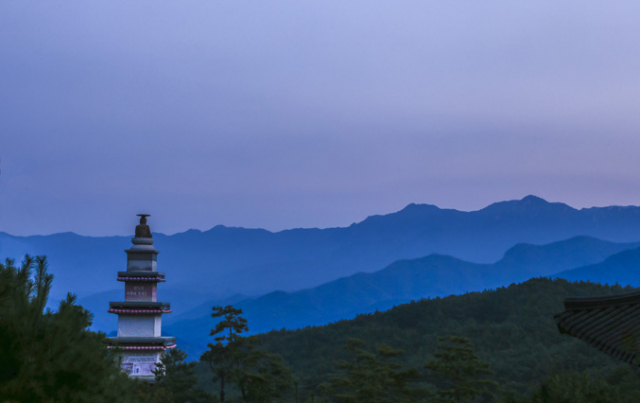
(142, 229)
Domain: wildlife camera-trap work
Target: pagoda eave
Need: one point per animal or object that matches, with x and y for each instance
(151, 275)
(139, 311)
(144, 279)
(141, 250)
(163, 341)
(139, 305)
(141, 343)
(143, 348)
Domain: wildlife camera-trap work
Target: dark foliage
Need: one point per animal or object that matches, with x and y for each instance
(511, 328)
(50, 356)
(176, 381)
(235, 360)
(461, 374)
(374, 378)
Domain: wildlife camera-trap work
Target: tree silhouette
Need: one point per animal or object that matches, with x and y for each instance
(374, 377)
(176, 380)
(51, 356)
(223, 355)
(461, 373)
(233, 358)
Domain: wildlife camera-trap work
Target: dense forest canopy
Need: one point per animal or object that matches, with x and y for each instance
(511, 328)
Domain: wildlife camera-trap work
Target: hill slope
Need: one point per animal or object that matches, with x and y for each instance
(512, 328)
(400, 282)
(622, 268)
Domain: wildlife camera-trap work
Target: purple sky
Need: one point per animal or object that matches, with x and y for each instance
(281, 114)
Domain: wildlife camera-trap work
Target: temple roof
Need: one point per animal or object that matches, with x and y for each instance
(611, 323)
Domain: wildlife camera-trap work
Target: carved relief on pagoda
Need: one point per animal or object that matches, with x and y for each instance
(140, 291)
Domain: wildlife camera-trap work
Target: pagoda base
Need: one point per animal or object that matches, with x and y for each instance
(138, 356)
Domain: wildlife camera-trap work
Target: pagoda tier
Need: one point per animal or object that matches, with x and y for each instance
(139, 342)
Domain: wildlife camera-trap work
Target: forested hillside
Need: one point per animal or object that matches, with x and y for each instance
(511, 328)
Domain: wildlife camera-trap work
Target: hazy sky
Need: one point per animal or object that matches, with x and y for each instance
(281, 114)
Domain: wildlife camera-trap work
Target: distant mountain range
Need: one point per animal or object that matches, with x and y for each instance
(226, 261)
(622, 268)
(403, 281)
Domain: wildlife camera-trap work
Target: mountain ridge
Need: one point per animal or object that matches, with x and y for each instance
(620, 268)
(224, 261)
(529, 200)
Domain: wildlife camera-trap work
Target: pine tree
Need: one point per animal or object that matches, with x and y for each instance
(177, 381)
(50, 356)
(461, 373)
(235, 359)
(262, 376)
(222, 356)
(575, 387)
(374, 378)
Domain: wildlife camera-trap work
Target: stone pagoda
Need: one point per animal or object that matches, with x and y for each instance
(139, 342)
